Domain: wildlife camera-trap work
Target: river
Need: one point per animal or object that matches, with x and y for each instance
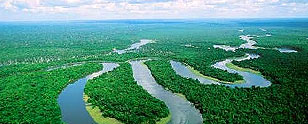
(135, 46)
(250, 79)
(182, 111)
(72, 105)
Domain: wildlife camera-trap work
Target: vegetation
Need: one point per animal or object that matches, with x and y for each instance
(96, 113)
(32, 97)
(86, 41)
(220, 104)
(28, 92)
(232, 66)
(119, 96)
(196, 72)
(20, 69)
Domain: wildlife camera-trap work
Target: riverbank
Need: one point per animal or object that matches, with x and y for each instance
(211, 78)
(232, 66)
(180, 108)
(96, 113)
(118, 96)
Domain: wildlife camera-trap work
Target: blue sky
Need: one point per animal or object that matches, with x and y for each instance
(36, 10)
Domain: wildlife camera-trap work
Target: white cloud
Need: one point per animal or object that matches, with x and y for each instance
(102, 9)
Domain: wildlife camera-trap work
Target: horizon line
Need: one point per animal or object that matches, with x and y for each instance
(122, 19)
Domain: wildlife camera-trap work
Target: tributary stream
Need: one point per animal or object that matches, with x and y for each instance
(72, 105)
(182, 111)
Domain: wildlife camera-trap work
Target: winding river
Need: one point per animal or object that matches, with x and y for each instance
(73, 108)
(184, 71)
(250, 79)
(135, 46)
(248, 45)
(182, 111)
(286, 50)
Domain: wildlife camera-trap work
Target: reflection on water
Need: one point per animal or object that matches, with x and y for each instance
(73, 109)
(286, 50)
(248, 45)
(263, 29)
(106, 68)
(134, 46)
(225, 47)
(181, 110)
(250, 79)
(183, 71)
(268, 35)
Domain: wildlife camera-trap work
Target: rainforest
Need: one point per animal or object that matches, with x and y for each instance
(181, 71)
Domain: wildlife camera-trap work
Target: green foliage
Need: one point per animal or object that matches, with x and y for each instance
(119, 96)
(20, 68)
(32, 97)
(77, 41)
(52, 41)
(28, 93)
(287, 71)
(220, 104)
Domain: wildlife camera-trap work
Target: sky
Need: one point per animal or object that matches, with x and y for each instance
(36, 10)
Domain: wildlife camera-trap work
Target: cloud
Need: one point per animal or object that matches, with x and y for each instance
(110, 9)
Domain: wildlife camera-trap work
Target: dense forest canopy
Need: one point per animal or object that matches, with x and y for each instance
(28, 92)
